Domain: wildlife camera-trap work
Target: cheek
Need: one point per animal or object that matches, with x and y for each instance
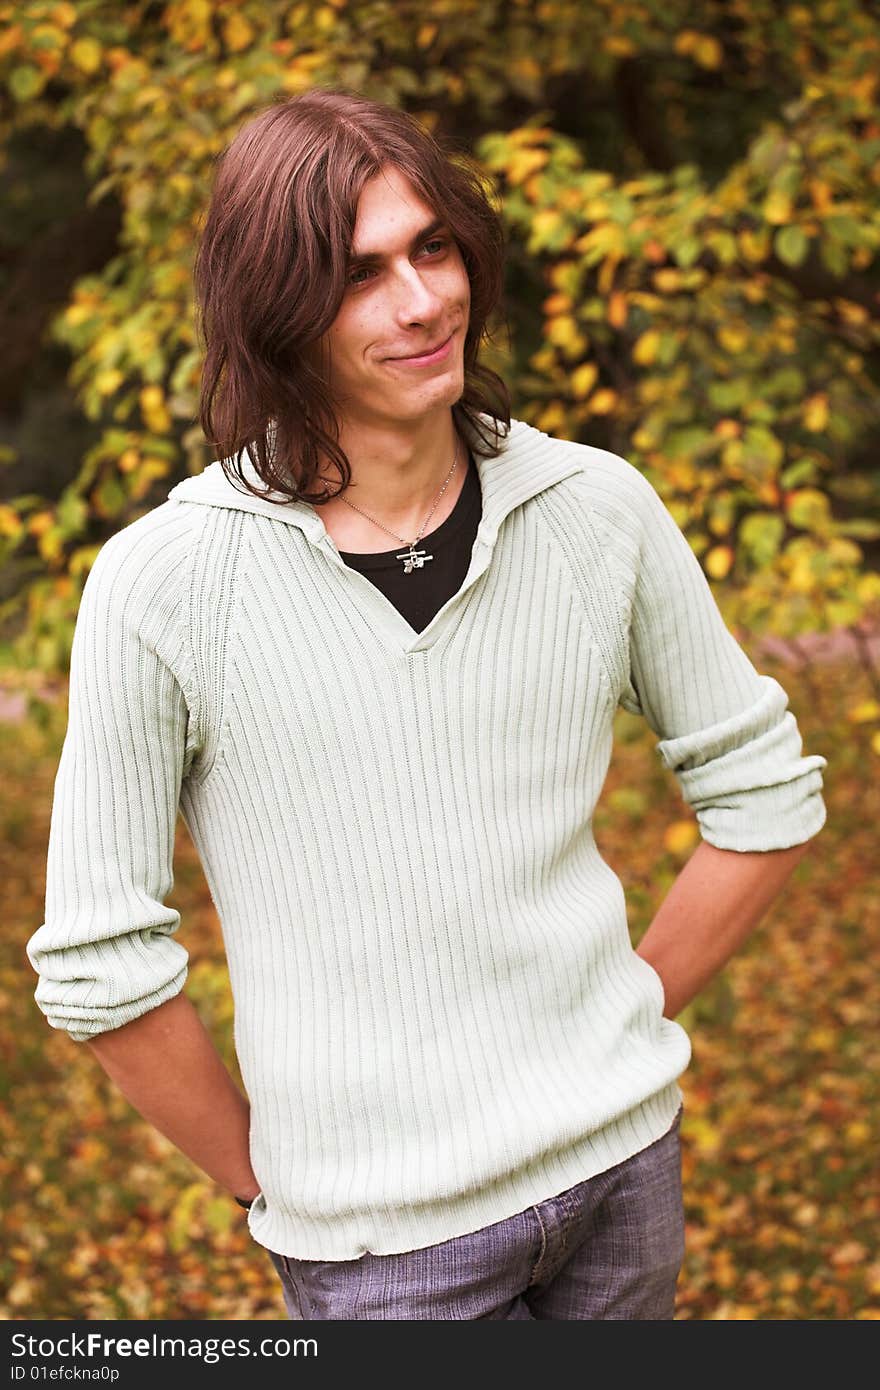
(348, 339)
(462, 293)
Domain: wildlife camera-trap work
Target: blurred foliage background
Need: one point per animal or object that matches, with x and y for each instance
(690, 192)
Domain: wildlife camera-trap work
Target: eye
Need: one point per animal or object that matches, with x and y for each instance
(362, 270)
(436, 241)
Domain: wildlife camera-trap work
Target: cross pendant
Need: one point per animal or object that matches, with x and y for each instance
(413, 559)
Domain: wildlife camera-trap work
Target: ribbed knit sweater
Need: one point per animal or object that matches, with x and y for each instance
(439, 1016)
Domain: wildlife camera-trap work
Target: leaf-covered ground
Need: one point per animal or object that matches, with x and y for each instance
(103, 1218)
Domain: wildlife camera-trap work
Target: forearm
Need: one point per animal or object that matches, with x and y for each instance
(167, 1067)
(715, 903)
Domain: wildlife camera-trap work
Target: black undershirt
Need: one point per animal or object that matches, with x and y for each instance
(418, 596)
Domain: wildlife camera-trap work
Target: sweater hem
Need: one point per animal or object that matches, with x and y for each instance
(395, 1231)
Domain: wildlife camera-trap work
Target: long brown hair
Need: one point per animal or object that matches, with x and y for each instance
(270, 273)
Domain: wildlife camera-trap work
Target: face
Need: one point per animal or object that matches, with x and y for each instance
(395, 351)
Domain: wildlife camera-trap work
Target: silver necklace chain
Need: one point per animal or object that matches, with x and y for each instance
(412, 559)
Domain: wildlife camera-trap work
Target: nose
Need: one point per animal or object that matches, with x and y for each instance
(416, 301)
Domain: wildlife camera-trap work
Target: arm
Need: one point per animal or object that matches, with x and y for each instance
(712, 907)
(166, 1065)
(110, 970)
(724, 731)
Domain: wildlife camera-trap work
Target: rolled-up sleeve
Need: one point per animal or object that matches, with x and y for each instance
(724, 729)
(105, 953)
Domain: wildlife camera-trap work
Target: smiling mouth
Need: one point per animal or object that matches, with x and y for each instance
(433, 354)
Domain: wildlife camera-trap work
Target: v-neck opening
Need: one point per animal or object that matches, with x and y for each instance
(378, 610)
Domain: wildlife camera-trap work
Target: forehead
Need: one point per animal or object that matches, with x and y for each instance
(389, 210)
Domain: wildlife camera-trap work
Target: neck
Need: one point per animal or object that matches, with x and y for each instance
(397, 473)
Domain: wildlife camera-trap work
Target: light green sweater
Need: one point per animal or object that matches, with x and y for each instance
(439, 1017)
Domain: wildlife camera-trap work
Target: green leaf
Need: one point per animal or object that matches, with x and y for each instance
(26, 82)
(861, 527)
(686, 251)
(761, 533)
(801, 471)
(729, 395)
(791, 244)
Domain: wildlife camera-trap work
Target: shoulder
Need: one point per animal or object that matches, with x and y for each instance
(141, 571)
(601, 486)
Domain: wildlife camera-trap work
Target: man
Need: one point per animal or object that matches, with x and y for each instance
(378, 680)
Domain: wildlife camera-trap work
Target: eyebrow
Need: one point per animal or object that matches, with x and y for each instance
(358, 258)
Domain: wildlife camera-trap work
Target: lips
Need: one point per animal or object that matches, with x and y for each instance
(435, 351)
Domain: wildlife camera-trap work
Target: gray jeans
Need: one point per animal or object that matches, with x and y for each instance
(609, 1248)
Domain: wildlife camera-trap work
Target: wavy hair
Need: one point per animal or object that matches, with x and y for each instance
(270, 273)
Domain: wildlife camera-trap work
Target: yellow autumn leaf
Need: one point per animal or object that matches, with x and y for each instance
(40, 522)
(618, 45)
(21, 1292)
(821, 195)
(557, 303)
(563, 332)
(815, 413)
(753, 245)
(91, 1150)
(608, 268)
(64, 14)
(807, 1214)
(667, 280)
(128, 460)
(50, 545)
(864, 88)
(858, 1132)
(10, 38)
(10, 522)
(777, 207)
(583, 379)
(325, 19)
(864, 712)
(708, 51)
(525, 66)
(108, 381)
(544, 223)
(75, 314)
(728, 429)
(733, 337)
(646, 347)
(86, 55)
(703, 1136)
(552, 417)
(719, 561)
(603, 402)
(617, 309)
(851, 1252)
(681, 837)
(524, 162)
(875, 743)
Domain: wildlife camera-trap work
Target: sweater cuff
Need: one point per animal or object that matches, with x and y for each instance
(746, 780)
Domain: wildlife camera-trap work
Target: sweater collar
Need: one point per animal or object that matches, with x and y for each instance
(529, 462)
